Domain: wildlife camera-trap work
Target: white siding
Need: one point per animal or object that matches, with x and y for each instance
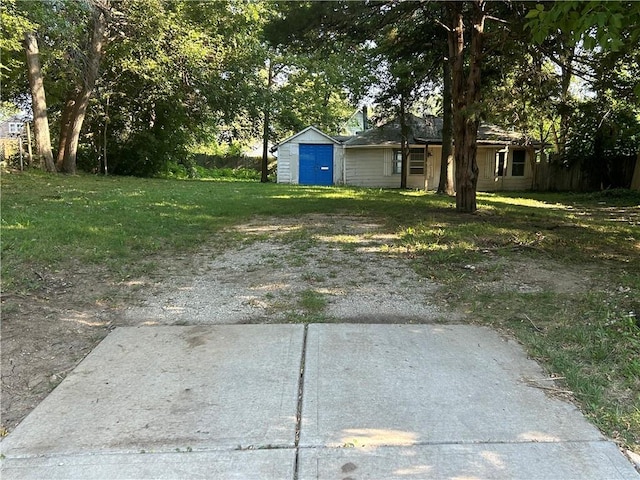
(489, 181)
(294, 159)
(284, 163)
(310, 136)
(487, 178)
(433, 167)
(370, 167)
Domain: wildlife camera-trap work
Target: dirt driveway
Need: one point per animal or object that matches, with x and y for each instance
(311, 269)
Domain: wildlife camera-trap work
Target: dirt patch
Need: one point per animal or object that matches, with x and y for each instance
(270, 274)
(46, 334)
(531, 276)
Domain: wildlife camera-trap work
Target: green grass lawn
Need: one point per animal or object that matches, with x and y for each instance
(590, 337)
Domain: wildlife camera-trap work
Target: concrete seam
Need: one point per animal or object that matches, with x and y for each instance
(299, 407)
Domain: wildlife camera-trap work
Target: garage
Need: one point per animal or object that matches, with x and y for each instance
(310, 157)
(316, 164)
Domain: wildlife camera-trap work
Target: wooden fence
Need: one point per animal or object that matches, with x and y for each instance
(551, 176)
(556, 177)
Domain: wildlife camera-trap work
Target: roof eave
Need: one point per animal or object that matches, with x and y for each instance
(310, 127)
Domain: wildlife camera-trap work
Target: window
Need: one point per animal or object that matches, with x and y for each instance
(14, 128)
(500, 169)
(416, 161)
(397, 162)
(517, 166)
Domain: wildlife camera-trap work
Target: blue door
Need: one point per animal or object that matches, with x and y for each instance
(316, 164)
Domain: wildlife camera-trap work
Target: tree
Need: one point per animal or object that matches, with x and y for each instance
(15, 25)
(445, 185)
(99, 19)
(19, 36)
(38, 103)
(465, 87)
(602, 41)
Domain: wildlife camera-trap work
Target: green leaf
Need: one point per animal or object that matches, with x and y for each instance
(533, 14)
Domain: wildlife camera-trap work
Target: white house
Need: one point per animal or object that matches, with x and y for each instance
(373, 158)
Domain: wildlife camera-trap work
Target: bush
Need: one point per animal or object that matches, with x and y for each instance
(228, 173)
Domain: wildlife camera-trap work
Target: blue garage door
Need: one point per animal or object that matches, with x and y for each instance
(316, 164)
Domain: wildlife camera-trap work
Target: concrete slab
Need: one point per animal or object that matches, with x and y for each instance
(158, 389)
(379, 401)
(403, 385)
(509, 461)
(230, 465)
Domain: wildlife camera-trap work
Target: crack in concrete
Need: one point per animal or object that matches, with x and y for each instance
(300, 396)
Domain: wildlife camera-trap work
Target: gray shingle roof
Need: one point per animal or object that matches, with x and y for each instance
(427, 130)
(390, 133)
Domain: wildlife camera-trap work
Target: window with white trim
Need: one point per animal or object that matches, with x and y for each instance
(416, 161)
(15, 127)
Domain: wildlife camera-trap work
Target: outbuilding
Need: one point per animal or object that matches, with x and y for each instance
(310, 157)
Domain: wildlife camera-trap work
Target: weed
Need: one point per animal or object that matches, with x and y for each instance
(313, 277)
(297, 260)
(312, 302)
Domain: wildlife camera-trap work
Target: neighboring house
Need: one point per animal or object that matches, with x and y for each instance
(373, 158)
(10, 131)
(12, 127)
(357, 122)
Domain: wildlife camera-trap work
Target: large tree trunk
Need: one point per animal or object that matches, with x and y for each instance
(90, 75)
(39, 103)
(445, 186)
(466, 95)
(65, 125)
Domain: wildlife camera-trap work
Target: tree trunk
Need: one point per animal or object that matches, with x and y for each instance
(39, 104)
(104, 138)
(65, 124)
(445, 186)
(466, 95)
(565, 109)
(90, 75)
(264, 177)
